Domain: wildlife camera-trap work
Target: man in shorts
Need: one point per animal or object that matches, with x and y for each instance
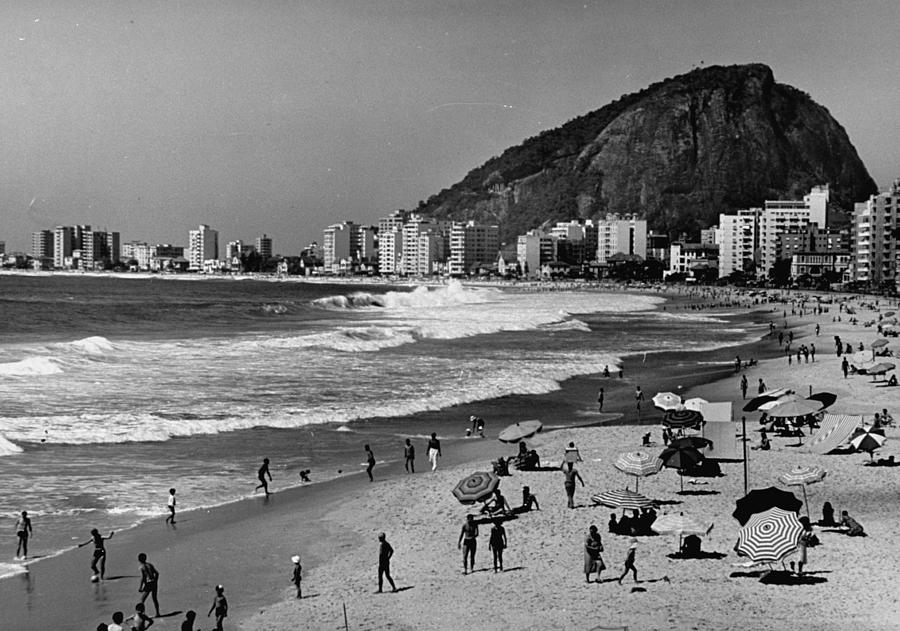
(149, 581)
(468, 543)
(23, 531)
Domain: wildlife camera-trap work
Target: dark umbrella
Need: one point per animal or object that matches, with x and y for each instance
(759, 500)
(867, 439)
(827, 399)
(680, 457)
(880, 369)
(682, 418)
(754, 403)
(476, 487)
(697, 442)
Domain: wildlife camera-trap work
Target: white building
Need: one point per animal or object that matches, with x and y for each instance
(874, 240)
(534, 250)
(783, 215)
(738, 240)
(337, 245)
(203, 246)
(684, 257)
(625, 235)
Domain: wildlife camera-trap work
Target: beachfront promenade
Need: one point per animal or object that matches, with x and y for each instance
(247, 546)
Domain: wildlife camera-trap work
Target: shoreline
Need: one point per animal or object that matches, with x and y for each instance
(237, 527)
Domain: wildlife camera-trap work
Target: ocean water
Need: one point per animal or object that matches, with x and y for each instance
(114, 389)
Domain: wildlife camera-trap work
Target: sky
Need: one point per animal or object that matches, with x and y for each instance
(282, 117)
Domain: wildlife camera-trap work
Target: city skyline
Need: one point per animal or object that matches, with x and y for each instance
(152, 118)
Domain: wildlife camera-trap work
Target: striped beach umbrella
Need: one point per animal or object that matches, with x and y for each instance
(682, 418)
(476, 487)
(867, 439)
(637, 463)
(622, 498)
(801, 476)
(667, 401)
(770, 536)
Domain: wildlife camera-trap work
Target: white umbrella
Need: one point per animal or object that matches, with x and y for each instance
(695, 404)
(667, 401)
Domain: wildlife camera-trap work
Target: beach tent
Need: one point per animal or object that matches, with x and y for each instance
(724, 441)
(714, 411)
(834, 430)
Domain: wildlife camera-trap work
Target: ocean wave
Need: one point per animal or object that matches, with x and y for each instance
(30, 367)
(567, 325)
(94, 345)
(8, 448)
(421, 297)
(12, 569)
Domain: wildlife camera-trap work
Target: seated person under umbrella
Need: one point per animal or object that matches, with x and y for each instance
(496, 504)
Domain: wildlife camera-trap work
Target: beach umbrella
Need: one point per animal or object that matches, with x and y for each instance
(880, 368)
(880, 342)
(672, 524)
(770, 536)
(697, 442)
(765, 407)
(801, 476)
(695, 404)
(520, 431)
(867, 439)
(753, 404)
(776, 392)
(861, 357)
(682, 418)
(680, 457)
(622, 498)
(637, 463)
(476, 487)
(827, 399)
(888, 314)
(667, 401)
(759, 500)
(795, 409)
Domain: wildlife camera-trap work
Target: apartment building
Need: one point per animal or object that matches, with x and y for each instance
(203, 245)
(534, 249)
(472, 244)
(738, 240)
(264, 247)
(617, 234)
(875, 240)
(784, 215)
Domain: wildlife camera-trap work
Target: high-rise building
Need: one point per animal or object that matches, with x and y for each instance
(337, 244)
(472, 244)
(738, 240)
(875, 240)
(625, 235)
(264, 247)
(533, 250)
(390, 250)
(42, 245)
(63, 245)
(783, 215)
(203, 245)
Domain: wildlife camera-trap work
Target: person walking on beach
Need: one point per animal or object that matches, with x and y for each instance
(434, 450)
(297, 575)
(385, 552)
(220, 606)
(761, 387)
(23, 531)
(600, 400)
(497, 544)
(140, 621)
(571, 474)
(409, 457)
(638, 398)
(629, 561)
(149, 582)
(170, 504)
(468, 543)
(370, 463)
(261, 475)
(98, 561)
(744, 386)
(593, 562)
(845, 366)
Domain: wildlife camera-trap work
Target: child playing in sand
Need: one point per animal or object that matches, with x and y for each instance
(629, 561)
(23, 531)
(171, 506)
(261, 474)
(220, 606)
(297, 575)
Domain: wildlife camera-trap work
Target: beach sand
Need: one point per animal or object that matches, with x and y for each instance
(247, 545)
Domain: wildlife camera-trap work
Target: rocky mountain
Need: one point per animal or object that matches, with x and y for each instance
(678, 153)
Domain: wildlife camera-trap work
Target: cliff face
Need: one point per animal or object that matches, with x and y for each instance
(678, 153)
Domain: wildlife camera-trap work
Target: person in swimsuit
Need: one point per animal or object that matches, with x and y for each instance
(497, 544)
(468, 543)
(220, 606)
(140, 621)
(409, 455)
(370, 463)
(23, 531)
(385, 552)
(171, 506)
(98, 561)
(261, 474)
(297, 575)
(571, 474)
(149, 582)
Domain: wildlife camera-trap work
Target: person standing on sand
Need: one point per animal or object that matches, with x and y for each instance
(845, 366)
(761, 387)
(593, 562)
(99, 553)
(220, 606)
(571, 474)
(297, 575)
(638, 398)
(149, 582)
(370, 463)
(385, 552)
(171, 506)
(434, 450)
(409, 457)
(600, 400)
(629, 561)
(744, 386)
(497, 544)
(468, 543)
(23, 531)
(261, 475)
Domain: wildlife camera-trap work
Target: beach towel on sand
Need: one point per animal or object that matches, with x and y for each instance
(834, 430)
